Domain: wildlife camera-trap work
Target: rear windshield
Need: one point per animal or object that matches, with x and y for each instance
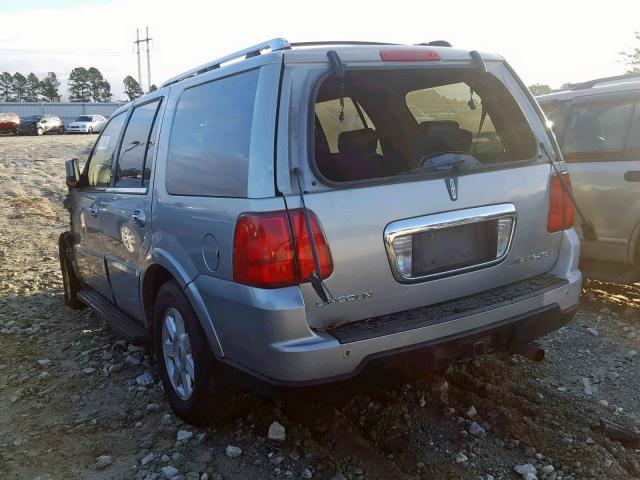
(382, 123)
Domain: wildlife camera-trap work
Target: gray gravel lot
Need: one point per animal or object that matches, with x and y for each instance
(77, 402)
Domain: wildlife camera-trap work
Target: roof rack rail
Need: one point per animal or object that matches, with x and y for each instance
(275, 44)
(338, 42)
(596, 81)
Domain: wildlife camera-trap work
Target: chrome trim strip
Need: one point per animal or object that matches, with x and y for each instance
(130, 190)
(438, 221)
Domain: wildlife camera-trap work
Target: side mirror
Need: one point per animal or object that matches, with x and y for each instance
(72, 172)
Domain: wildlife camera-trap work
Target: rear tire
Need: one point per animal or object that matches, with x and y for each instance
(70, 280)
(39, 132)
(189, 372)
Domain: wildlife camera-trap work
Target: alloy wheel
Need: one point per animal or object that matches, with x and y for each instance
(177, 354)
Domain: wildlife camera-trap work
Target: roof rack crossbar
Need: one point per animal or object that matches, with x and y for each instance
(596, 81)
(275, 44)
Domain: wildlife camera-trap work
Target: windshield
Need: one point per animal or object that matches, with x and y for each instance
(392, 122)
(84, 119)
(33, 118)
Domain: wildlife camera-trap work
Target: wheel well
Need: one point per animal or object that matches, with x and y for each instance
(154, 278)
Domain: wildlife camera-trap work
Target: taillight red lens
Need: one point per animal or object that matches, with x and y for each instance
(265, 254)
(409, 56)
(560, 205)
(305, 254)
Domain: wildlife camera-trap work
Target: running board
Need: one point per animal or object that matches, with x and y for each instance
(121, 323)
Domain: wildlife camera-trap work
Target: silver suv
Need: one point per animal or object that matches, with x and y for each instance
(288, 213)
(598, 126)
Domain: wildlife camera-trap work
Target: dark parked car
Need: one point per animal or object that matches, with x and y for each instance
(9, 122)
(41, 124)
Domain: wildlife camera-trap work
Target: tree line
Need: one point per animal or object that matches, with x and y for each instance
(84, 85)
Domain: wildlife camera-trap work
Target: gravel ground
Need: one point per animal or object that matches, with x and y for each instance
(77, 402)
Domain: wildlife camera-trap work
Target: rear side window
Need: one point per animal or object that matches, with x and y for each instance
(416, 122)
(597, 131)
(99, 169)
(136, 147)
(633, 139)
(211, 138)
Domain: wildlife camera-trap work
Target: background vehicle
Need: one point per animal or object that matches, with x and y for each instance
(598, 126)
(87, 124)
(306, 222)
(41, 124)
(9, 123)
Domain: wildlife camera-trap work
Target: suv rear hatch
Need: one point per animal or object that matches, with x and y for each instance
(425, 177)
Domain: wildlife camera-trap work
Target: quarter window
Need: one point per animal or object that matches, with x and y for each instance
(211, 138)
(135, 148)
(99, 168)
(597, 131)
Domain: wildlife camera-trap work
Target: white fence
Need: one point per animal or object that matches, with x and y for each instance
(67, 111)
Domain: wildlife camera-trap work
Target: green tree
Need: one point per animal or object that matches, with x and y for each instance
(49, 87)
(32, 89)
(632, 57)
(79, 90)
(153, 88)
(105, 91)
(99, 88)
(132, 87)
(540, 89)
(19, 87)
(6, 86)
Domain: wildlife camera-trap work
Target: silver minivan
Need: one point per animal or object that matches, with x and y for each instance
(597, 124)
(282, 216)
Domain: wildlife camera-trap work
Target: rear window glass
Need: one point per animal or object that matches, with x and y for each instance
(392, 122)
(597, 131)
(211, 138)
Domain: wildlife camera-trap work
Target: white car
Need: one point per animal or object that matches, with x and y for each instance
(87, 124)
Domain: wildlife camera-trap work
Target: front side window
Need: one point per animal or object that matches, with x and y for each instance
(416, 122)
(98, 170)
(597, 131)
(135, 148)
(211, 138)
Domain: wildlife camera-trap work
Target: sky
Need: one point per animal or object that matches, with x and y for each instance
(547, 41)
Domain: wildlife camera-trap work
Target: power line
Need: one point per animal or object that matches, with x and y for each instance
(12, 51)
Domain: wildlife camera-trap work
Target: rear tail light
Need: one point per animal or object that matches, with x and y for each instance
(273, 249)
(409, 56)
(560, 205)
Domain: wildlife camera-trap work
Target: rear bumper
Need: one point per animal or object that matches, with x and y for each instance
(264, 333)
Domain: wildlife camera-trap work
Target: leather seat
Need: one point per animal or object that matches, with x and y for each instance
(357, 158)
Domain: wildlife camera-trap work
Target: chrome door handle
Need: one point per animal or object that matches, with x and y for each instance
(138, 217)
(94, 209)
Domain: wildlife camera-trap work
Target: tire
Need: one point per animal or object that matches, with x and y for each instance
(204, 397)
(39, 131)
(90, 130)
(71, 282)
(61, 131)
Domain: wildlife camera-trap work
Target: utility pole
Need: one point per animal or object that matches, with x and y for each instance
(138, 42)
(148, 62)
